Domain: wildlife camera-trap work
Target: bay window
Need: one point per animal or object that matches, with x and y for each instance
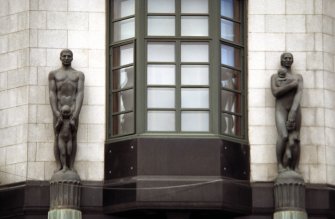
(176, 67)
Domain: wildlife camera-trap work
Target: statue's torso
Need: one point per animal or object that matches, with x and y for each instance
(66, 85)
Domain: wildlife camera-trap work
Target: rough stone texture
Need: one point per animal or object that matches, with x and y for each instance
(306, 29)
(32, 34)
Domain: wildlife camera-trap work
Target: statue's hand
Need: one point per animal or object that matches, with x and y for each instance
(291, 116)
(73, 123)
(290, 126)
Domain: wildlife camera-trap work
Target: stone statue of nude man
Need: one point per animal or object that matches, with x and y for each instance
(66, 94)
(287, 89)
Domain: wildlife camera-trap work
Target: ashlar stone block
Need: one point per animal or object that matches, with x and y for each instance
(52, 38)
(16, 154)
(300, 7)
(275, 23)
(54, 5)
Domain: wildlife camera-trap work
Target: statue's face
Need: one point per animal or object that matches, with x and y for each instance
(66, 58)
(287, 60)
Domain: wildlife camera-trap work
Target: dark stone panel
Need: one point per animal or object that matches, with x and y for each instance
(262, 198)
(176, 157)
(235, 160)
(191, 157)
(120, 159)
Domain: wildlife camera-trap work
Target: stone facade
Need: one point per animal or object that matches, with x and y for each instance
(307, 29)
(33, 32)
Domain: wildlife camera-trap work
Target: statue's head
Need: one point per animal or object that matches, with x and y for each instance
(286, 59)
(282, 72)
(66, 56)
(66, 111)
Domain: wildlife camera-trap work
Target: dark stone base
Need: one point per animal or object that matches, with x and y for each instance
(289, 192)
(30, 200)
(65, 190)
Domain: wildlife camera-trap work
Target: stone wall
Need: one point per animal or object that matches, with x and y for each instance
(40, 29)
(306, 28)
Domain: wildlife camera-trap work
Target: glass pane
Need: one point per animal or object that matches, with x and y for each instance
(161, 6)
(230, 124)
(230, 79)
(194, 26)
(230, 30)
(161, 52)
(230, 56)
(123, 101)
(194, 6)
(194, 52)
(161, 25)
(161, 121)
(123, 124)
(161, 97)
(123, 78)
(231, 9)
(230, 101)
(196, 121)
(194, 97)
(161, 75)
(123, 8)
(123, 55)
(194, 74)
(124, 29)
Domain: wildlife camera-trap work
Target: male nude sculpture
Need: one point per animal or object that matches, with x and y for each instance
(66, 94)
(287, 88)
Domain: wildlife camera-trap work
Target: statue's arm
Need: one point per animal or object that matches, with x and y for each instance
(279, 91)
(80, 95)
(296, 100)
(53, 95)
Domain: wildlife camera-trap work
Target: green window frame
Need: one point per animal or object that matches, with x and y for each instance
(226, 64)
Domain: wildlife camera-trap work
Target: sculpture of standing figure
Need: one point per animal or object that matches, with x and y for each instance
(287, 89)
(66, 94)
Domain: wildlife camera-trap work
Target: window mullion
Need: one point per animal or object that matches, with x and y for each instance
(178, 87)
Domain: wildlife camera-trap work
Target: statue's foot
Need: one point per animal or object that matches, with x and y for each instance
(64, 169)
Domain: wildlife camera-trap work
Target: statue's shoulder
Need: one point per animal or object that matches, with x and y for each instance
(80, 74)
(53, 73)
(298, 76)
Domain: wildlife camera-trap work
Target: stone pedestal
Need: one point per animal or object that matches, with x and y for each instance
(65, 192)
(289, 193)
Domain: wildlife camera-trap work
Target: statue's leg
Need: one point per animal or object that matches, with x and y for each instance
(56, 150)
(281, 115)
(74, 145)
(69, 152)
(62, 150)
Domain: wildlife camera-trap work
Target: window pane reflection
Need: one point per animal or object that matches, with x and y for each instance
(230, 124)
(194, 26)
(194, 97)
(123, 124)
(161, 6)
(231, 9)
(230, 79)
(194, 74)
(124, 29)
(230, 101)
(161, 75)
(230, 56)
(123, 8)
(161, 121)
(161, 26)
(161, 97)
(194, 52)
(123, 55)
(123, 78)
(194, 6)
(161, 52)
(230, 31)
(195, 121)
(123, 101)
